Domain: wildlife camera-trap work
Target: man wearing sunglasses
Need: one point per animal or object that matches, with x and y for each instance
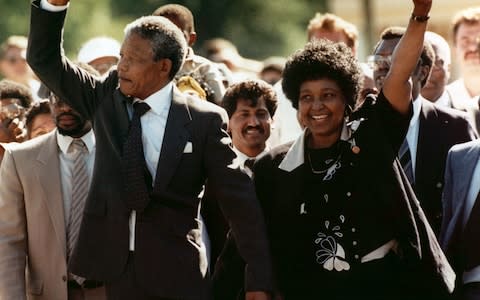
(432, 131)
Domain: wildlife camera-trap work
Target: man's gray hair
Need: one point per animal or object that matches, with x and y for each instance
(166, 39)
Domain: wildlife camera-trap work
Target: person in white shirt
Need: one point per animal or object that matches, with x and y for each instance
(466, 33)
(432, 132)
(38, 209)
(250, 105)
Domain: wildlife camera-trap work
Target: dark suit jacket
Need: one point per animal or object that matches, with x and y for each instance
(440, 129)
(461, 163)
(377, 173)
(168, 260)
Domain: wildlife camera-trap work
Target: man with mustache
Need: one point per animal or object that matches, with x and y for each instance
(157, 147)
(250, 106)
(44, 186)
(466, 36)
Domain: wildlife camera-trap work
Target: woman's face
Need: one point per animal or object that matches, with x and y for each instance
(321, 108)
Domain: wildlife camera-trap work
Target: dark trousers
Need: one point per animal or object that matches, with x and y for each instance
(127, 288)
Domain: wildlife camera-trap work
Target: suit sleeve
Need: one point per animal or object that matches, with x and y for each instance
(236, 195)
(12, 232)
(45, 55)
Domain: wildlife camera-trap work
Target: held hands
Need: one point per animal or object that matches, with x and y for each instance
(421, 7)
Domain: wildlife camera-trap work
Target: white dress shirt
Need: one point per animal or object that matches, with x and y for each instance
(67, 160)
(474, 274)
(413, 129)
(153, 129)
(460, 93)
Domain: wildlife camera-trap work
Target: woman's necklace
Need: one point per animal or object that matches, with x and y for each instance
(328, 164)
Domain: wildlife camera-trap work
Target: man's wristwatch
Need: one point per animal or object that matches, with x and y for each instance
(420, 19)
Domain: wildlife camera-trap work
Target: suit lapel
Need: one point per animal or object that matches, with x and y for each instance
(121, 113)
(174, 140)
(465, 169)
(47, 170)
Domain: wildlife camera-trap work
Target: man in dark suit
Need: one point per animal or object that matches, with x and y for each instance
(461, 209)
(140, 231)
(433, 130)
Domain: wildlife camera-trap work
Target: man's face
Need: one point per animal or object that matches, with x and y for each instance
(14, 66)
(250, 127)
(69, 122)
(139, 75)
(334, 36)
(438, 79)
(11, 108)
(466, 47)
(382, 61)
(104, 64)
(41, 124)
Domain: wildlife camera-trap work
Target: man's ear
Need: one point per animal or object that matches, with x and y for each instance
(423, 74)
(164, 66)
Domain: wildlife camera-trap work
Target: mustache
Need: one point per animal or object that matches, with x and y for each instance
(259, 128)
(470, 53)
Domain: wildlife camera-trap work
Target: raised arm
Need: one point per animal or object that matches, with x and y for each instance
(397, 87)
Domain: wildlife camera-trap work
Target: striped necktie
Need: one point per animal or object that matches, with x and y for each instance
(406, 161)
(80, 182)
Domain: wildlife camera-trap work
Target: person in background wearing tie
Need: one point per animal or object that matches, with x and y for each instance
(45, 182)
(432, 131)
(156, 148)
(342, 220)
(250, 106)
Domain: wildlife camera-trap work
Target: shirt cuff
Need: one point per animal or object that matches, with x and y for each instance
(44, 4)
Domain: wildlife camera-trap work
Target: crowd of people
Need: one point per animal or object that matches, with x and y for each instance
(142, 170)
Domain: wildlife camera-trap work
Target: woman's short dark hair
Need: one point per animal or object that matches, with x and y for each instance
(252, 90)
(37, 108)
(322, 59)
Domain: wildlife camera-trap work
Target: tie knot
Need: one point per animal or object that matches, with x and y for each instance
(78, 145)
(140, 108)
(249, 163)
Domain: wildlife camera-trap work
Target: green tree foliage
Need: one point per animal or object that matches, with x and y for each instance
(258, 28)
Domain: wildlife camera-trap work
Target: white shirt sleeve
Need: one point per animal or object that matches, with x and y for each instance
(44, 4)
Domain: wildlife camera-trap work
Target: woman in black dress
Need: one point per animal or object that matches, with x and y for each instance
(342, 221)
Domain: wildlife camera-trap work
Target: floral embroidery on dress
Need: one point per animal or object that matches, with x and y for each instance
(331, 254)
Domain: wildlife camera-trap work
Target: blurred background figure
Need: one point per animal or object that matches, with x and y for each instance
(200, 69)
(434, 90)
(102, 53)
(13, 65)
(321, 26)
(466, 35)
(272, 69)
(432, 130)
(331, 27)
(224, 51)
(15, 99)
(38, 119)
